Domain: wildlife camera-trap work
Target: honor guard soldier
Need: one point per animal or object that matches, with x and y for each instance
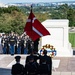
(7, 36)
(4, 43)
(12, 42)
(25, 46)
(25, 49)
(19, 45)
(29, 41)
(17, 69)
(22, 45)
(16, 37)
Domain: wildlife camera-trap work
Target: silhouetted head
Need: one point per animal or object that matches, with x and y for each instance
(17, 58)
(45, 52)
(31, 59)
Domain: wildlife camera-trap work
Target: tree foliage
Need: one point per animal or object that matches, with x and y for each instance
(14, 18)
(65, 12)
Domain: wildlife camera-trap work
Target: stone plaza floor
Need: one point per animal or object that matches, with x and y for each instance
(61, 65)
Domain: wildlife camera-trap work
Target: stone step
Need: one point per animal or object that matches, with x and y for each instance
(61, 65)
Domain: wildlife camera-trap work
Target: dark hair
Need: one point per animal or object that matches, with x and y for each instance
(31, 58)
(45, 52)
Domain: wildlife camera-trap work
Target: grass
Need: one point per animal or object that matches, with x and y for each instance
(72, 39)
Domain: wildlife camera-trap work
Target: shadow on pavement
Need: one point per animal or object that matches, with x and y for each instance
(5, 71)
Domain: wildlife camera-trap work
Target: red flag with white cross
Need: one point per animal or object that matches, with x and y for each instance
(34, 28)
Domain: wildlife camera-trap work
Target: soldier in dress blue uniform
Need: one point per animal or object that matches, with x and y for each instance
(17, 69)
(12, 42)
(7, 44)
(29, 42)
(16, 37)
(4, 43)
(22, 45)
(19, 45)
(25, 49)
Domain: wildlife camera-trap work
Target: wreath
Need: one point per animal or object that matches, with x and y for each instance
(51, 51)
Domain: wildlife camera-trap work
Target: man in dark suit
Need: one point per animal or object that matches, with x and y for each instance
(48, 60)
(43, 68)
(32, 55)
(31, 67)
(17, 69)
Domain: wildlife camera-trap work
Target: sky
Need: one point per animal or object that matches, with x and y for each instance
(21, 1)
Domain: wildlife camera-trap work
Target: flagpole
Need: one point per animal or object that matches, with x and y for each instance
(31, 25)
(31, 17)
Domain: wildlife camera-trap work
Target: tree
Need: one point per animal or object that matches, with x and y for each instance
(14, 21)
(71, 17)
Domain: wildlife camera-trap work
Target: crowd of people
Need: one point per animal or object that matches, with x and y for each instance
(22, 44)
(17, 44)
(32, 67)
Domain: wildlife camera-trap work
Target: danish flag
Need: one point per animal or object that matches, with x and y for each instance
(34, 28)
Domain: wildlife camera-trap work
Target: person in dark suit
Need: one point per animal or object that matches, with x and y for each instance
(32, 55)
(43, 68)
(31, 67)
(48, 60)
(17, 69)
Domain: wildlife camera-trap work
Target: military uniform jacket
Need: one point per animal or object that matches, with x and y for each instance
(4, 41)
(17, 69)
(12, 40)
(18, 42)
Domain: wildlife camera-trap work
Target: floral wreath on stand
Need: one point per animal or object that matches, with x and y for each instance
(51, 51)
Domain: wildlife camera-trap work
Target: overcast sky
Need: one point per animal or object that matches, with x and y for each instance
(18, 1)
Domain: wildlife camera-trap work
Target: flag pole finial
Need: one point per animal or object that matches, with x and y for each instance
(31, 6)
